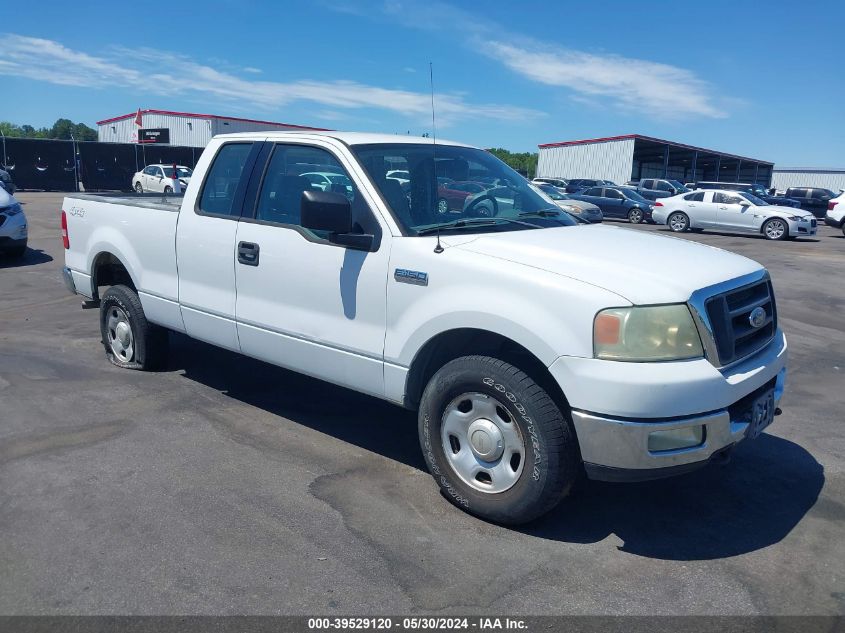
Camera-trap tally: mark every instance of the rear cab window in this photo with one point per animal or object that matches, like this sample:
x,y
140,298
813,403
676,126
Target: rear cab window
x,y
223,183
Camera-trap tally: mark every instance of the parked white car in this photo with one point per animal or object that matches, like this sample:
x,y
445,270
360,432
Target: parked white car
x,y
532,349
836,212
328,181
159,178
725,210
13,226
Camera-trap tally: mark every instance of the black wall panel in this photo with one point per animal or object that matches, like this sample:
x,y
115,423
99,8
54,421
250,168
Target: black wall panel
x,y
49,164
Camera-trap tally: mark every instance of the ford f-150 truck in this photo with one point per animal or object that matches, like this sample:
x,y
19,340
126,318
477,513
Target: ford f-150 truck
x,y
532,348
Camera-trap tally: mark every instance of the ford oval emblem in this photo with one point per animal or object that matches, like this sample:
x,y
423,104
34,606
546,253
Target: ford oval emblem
x,y
757,317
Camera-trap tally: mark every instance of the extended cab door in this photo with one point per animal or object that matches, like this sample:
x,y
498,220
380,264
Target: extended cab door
x,y
205,242
303,302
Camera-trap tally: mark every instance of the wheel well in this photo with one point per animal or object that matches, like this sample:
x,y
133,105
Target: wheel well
x,y
108,270
453,344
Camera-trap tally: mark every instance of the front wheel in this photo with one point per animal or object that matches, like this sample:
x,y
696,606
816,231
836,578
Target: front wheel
x,y
678,222
168,189
139,188
495,442
775,229
130,340
635,215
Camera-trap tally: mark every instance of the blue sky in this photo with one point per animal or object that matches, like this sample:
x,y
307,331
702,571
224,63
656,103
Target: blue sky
x,y
763,80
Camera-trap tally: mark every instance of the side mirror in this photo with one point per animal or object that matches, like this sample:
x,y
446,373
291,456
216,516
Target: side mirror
x,y
332,212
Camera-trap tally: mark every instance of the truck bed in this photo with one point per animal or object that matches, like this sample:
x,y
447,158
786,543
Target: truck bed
x,y
143,200
139,230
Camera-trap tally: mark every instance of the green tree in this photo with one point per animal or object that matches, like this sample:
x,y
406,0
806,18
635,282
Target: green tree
x,y
61,129
523,162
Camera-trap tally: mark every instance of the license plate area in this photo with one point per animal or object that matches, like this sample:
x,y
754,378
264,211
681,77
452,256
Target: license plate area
x,y
762,413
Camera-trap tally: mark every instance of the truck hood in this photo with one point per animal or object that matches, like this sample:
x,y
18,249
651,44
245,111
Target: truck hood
x,y
641,267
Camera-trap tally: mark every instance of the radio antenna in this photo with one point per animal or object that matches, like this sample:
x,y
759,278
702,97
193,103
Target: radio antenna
x,y
431,84
438,248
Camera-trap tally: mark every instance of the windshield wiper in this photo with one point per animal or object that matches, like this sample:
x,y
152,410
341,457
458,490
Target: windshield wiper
x,y
471,223
542,213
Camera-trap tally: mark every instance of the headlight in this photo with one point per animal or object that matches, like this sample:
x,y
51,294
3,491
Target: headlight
x,y
646,333
796,218
12,209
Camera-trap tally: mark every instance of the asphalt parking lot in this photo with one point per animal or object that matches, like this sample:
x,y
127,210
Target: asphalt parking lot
x,y
225,485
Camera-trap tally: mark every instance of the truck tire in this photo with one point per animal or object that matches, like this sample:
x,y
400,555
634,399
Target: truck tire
x,y
130,340
495,442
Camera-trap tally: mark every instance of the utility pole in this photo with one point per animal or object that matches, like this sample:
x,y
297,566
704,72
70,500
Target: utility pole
x,y
75,163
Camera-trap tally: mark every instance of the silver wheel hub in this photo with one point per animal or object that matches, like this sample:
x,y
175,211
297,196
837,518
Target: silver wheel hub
x,y
775,229
482,442
485,440
119,333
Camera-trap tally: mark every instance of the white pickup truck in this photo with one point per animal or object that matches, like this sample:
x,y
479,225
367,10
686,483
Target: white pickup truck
x,y
535,348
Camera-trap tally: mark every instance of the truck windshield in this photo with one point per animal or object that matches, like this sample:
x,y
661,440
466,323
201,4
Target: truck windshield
x,y
679,186
450,186
754,200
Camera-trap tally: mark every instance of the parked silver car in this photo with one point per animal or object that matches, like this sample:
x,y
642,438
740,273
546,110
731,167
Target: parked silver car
x,y
726,210
13,226
579,208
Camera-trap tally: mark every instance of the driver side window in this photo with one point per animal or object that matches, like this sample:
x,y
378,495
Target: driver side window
x,y
294,169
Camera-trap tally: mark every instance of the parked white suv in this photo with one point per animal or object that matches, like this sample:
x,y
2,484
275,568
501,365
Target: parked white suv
x,y
726,210
159,178
836,212
530,346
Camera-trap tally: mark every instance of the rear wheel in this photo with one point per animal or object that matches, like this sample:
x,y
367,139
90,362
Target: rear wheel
x,y
129,339
678,222
635,215
775,229
495,442
139,188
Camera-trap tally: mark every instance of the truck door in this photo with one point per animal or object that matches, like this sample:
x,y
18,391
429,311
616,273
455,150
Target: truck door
x,y
205,244
303,302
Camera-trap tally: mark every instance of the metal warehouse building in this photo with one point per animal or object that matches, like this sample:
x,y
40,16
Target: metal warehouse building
x,y
633,157
785,177
179,128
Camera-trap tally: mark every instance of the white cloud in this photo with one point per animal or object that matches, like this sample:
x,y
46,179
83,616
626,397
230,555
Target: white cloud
x,y
635,84
157,72
253,70
652,88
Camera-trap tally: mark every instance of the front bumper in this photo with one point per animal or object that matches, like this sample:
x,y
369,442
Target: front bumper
x,y
837,224
616,405
806,228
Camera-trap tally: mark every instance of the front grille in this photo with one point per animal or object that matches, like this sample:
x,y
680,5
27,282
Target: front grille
x,y
729,314
2,219
813,223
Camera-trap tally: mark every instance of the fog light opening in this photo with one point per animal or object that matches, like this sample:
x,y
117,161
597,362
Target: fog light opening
x,y
675,439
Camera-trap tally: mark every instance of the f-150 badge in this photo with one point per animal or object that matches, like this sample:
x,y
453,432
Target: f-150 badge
x,y
414,277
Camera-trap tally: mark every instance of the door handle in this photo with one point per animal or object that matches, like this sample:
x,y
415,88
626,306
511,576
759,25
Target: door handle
x,y
248,253
723,207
